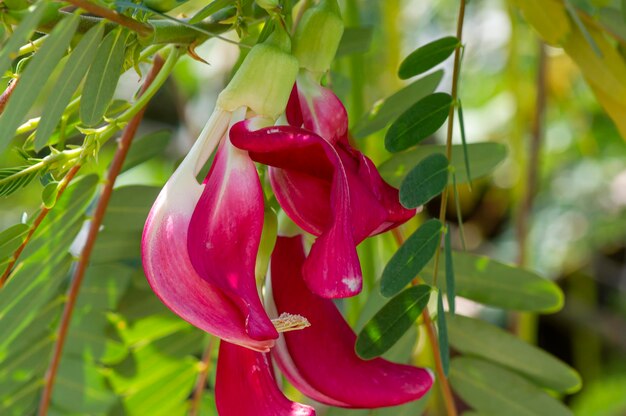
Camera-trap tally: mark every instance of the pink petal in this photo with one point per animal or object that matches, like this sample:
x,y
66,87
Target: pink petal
x,y
225,232
245,385
332,268
320,360
390,212
166,260
320,111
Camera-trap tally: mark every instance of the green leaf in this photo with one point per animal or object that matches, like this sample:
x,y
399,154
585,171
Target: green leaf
x,y
427,57
12,180
602,397
129,207
11,239
68,214
474,337
484,157
442,335
464,142
450,286
208,10
81,389
549,18
355,40
425,181
418,122
20,35
117,245
45,262
102,78
391,322
410,258
49,194
487,281
146,148
139,381
571,10
37,71
493,390
73,72
384,111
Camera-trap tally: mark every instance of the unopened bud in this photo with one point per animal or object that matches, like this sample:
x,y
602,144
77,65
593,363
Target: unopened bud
x,y
318,35
264,79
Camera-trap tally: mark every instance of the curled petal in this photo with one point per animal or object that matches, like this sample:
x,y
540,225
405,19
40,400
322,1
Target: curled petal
x,y
318,109
320,360
225,232
387,201
245,385
166,261
332,269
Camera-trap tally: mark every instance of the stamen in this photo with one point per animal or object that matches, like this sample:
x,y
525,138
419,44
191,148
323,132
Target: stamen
x,y
289,322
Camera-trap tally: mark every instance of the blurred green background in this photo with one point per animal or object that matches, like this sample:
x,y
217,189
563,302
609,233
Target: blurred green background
x,y
576,225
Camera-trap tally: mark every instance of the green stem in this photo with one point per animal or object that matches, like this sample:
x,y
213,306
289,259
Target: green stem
x,y
163,31
454,93
33,123
65,156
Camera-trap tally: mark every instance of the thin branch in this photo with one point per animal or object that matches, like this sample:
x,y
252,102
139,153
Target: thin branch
x,y
448,397
42,214
141,28
202,377
445,387
454,93
79,274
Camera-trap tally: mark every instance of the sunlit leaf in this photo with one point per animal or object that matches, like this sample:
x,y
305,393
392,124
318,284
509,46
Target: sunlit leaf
x,y
102,78
49,194
73,72
384,111
493,283
548,17
410,258
493,390
425,181
418,122
11,239
427,57
474,337
392,321
210,9
484,158
38,70
13,179
20,35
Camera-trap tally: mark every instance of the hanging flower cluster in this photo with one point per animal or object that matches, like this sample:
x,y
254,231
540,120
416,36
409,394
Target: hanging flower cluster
x,y
201,241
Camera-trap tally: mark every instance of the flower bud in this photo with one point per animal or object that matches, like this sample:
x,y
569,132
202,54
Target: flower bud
x,y
264,79
318,35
